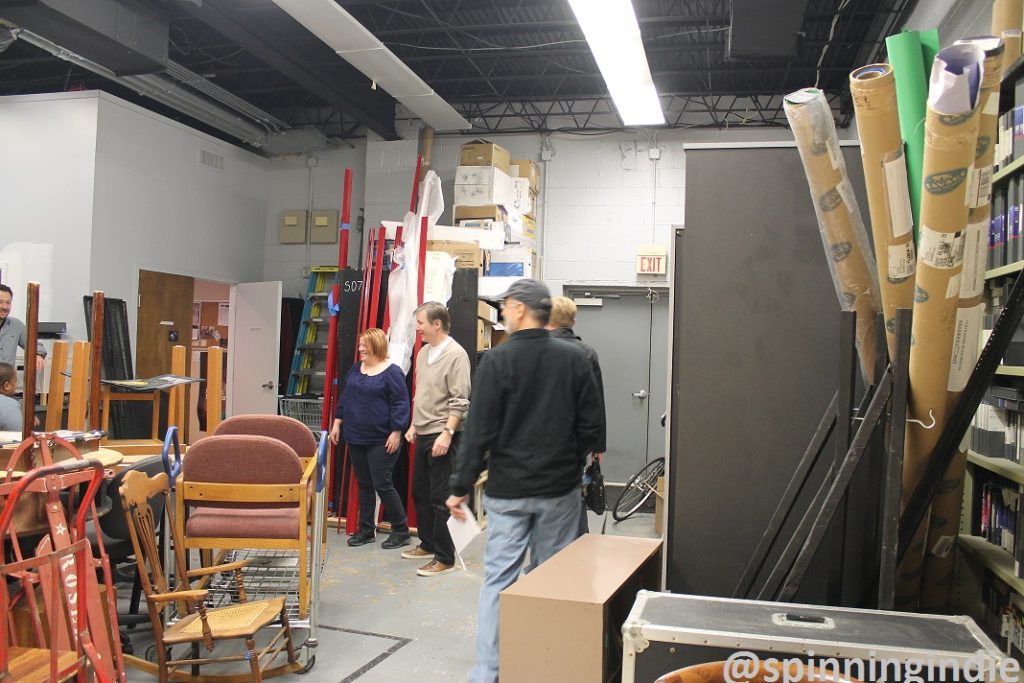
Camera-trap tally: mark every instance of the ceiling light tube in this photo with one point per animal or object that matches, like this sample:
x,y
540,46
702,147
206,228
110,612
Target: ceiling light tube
x,y
329,22
613,33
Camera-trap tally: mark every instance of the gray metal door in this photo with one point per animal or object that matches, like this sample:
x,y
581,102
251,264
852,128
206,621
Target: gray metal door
x,y
629,330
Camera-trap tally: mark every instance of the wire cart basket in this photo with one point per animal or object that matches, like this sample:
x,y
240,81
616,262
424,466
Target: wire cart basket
x,y
308,411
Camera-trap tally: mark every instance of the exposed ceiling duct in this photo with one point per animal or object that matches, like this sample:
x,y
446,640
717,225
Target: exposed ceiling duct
x,y
354,43
162,89
125,38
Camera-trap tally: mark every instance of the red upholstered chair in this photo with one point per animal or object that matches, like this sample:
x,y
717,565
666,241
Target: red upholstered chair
x,y
287,429
246,492
293,432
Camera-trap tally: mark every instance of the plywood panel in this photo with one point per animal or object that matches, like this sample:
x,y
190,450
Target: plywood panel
x,y
163,298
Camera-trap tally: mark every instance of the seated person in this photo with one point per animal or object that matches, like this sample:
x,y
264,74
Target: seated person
x,y
10,409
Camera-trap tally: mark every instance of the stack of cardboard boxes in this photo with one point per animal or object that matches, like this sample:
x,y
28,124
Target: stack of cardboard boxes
x,y
497,196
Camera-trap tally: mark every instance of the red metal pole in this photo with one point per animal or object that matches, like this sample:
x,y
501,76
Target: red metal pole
x,y
331,385
378,270
420,278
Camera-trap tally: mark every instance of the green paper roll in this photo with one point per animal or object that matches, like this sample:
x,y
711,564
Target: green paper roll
x,y
929,48
906,55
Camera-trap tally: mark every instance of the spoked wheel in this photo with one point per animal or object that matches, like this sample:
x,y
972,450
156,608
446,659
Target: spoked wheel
x,y
638,490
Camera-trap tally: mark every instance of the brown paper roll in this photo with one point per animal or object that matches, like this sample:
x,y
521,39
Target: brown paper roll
x,y
839,220
950,146
1007,15
1012,42
938,577
892,225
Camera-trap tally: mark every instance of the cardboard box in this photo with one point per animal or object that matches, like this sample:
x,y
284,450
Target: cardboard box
x,y
484,153
521,199
560,621
481,175
522,229
487,211
467,254
659,505
484,335
487,312
525,168
496,188
512,262
485,238
531,214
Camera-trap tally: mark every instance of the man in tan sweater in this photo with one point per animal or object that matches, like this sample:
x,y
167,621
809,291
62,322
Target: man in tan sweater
x,y
441,401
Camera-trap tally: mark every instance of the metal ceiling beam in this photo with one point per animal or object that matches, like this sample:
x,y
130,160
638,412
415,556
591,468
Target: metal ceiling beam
x,y
664,73
568,25
290,65
426,55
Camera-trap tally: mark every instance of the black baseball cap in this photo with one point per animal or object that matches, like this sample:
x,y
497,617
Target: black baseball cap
x,y
533,293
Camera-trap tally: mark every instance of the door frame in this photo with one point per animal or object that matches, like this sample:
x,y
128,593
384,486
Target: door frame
x,y
665,291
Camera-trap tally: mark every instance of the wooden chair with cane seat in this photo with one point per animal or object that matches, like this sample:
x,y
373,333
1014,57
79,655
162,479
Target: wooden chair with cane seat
x,y
198,625
246,492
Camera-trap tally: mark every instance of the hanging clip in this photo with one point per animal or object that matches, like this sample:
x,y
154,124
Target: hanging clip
x,y
931,416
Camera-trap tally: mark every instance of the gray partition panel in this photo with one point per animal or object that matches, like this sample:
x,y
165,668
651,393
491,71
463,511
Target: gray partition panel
x,y
754,357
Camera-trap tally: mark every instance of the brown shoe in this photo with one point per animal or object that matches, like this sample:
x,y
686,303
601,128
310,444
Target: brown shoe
x,y
417,553
435,568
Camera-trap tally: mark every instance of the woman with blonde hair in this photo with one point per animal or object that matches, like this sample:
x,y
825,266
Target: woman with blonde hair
x,y
372,413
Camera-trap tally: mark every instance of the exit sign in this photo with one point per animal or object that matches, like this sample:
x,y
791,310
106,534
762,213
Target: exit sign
x,y
651,259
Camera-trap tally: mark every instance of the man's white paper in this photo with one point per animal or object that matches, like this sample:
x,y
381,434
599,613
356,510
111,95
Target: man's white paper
x,y
463,531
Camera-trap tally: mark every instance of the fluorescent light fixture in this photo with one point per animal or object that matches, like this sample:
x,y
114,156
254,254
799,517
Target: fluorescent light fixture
x,y
613,33
329,22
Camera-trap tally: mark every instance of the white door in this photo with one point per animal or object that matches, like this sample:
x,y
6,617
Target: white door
x,y
254,337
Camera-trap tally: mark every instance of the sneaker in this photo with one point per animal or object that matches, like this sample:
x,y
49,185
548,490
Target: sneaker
x,y
361,538
435,568
417,553
396,540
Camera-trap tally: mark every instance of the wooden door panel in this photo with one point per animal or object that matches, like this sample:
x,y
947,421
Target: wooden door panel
x,y
163,297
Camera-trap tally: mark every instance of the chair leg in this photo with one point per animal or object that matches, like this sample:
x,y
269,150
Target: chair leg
x,y
195,655
254,661
287,635
133,605
304,583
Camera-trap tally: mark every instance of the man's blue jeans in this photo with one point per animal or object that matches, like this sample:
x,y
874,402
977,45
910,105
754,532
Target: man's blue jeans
x,y
513,525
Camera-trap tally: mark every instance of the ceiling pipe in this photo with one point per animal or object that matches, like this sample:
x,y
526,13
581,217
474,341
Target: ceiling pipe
x,y
162,89
214,91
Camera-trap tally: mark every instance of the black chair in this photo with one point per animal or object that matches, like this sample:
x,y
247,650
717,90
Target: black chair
x,y
113,525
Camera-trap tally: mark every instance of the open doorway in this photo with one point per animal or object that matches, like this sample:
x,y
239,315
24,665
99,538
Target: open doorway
x,y
179,309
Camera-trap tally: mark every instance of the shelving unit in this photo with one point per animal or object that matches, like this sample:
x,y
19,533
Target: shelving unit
x,y
997,560
1004,468
1008,269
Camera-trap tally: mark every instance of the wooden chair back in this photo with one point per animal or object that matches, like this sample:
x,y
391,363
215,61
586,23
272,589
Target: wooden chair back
x,y
137,495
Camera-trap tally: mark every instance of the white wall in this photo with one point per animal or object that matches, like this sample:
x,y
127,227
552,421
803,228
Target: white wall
x,y
47,159
156,208
288,187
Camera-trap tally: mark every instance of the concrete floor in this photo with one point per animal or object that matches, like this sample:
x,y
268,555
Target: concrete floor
x,y
381,623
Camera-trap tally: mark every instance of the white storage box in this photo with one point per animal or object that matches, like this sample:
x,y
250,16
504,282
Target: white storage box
x,y
666,632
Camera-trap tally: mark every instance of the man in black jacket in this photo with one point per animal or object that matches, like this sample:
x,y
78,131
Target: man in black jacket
x,y
536,413
563,318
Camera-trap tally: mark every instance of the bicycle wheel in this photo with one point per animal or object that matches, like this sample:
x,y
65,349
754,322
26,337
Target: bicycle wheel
x,y
639,489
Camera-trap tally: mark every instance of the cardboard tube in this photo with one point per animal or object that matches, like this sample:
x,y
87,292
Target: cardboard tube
x,y
1012,42
1007,22
839,220
951,134
938,575
885,174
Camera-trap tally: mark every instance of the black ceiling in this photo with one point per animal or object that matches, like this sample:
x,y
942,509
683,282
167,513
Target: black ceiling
x,y
512,65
